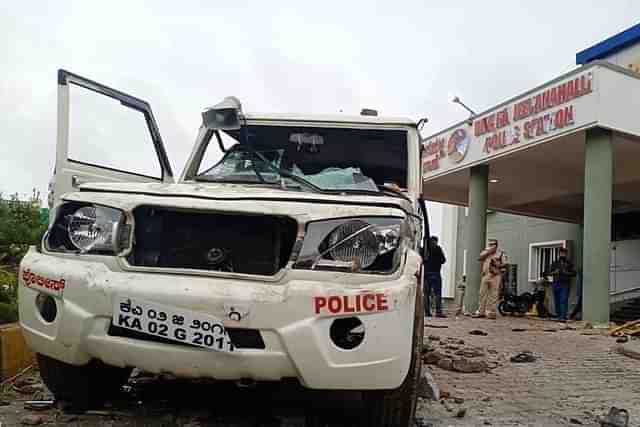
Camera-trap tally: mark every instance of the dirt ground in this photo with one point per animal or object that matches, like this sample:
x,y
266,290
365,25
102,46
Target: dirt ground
x,y
576,378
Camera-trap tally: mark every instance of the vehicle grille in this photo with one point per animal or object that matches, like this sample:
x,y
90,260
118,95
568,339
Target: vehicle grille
x,y
249,244
241,338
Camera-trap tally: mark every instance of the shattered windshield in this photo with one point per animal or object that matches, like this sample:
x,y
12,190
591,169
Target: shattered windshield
x,y
313,157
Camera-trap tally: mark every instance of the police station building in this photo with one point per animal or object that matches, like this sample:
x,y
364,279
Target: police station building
x,y
557,166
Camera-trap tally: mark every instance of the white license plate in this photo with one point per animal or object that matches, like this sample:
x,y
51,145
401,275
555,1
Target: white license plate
x,y
171,323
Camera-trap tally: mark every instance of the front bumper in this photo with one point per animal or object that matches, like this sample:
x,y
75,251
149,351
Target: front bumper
x,y
297,342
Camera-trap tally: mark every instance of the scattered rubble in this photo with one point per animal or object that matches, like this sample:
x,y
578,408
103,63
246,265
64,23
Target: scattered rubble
x,y
435,325
446,405
461,413
615,418
32,420
452,356
630,349
523,357
628,329
38,405
470,365
427,388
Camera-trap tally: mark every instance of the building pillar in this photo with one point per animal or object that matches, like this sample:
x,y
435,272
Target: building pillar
x,y
476,232
598,185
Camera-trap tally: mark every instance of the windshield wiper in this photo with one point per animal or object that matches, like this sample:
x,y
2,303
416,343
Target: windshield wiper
x,y
288,174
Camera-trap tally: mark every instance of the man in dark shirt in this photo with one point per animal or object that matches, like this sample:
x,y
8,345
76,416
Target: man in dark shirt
x,y
562,271
433,278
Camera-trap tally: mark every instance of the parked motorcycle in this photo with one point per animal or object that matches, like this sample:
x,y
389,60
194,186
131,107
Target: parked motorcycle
x,y
515,304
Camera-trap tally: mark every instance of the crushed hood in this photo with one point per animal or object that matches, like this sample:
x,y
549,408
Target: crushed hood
x,y
240,198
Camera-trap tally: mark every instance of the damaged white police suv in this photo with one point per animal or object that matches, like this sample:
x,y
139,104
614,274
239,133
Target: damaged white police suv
x,y
289,248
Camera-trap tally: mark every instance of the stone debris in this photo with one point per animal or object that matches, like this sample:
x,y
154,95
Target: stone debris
x,y
427,387
459,358
38,405
470,352
630,349
615,418
32,420
445,363
470,365
435,325
523,357
446,405
461,413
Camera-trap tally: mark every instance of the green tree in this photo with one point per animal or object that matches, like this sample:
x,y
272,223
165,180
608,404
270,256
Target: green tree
x,y
20,227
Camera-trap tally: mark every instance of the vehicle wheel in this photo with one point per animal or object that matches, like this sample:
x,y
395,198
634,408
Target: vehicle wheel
x,y
397,408
523,307
83,386
502,308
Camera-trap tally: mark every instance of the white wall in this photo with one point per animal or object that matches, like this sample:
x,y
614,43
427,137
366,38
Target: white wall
x,y
443,220
625,265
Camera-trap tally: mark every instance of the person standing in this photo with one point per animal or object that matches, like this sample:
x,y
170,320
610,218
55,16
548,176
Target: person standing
x,y
562,271
433,277
492,267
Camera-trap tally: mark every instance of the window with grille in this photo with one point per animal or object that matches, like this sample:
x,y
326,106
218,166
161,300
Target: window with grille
x,y
541,255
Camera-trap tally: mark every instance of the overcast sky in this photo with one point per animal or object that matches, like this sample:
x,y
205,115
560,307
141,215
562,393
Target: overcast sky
x,y
403,58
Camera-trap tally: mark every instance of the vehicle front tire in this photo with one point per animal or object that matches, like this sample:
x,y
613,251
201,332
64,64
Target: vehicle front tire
x,y
397,408
82,386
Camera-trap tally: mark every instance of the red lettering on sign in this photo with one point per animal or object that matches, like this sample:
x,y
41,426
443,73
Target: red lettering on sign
x,y
431,165
31,279
367,304
347,308
319,302
562,94
358,303
381,302
335,304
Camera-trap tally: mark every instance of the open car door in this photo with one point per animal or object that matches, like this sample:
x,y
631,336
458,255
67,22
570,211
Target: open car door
x,y
104,135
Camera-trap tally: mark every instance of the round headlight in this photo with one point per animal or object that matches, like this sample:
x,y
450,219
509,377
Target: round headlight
x,y
90,229
354,241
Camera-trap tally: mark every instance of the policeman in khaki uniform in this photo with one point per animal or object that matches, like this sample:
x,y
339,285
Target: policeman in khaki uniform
x,y
492,267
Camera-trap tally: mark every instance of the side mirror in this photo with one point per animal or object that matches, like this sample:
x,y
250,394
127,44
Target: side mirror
x,y
224,115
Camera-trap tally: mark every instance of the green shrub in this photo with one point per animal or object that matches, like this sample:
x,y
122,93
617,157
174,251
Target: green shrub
x,y
8,296
21,225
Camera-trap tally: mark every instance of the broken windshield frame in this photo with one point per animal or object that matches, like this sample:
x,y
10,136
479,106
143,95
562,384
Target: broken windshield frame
x,y
327,160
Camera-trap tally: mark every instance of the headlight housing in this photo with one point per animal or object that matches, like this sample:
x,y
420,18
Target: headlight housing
x,y
359,245
86,228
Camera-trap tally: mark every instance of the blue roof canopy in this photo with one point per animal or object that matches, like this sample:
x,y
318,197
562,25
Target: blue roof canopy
x,y
609,46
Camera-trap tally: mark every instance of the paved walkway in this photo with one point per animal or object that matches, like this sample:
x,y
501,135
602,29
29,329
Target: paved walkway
x,y
577,376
